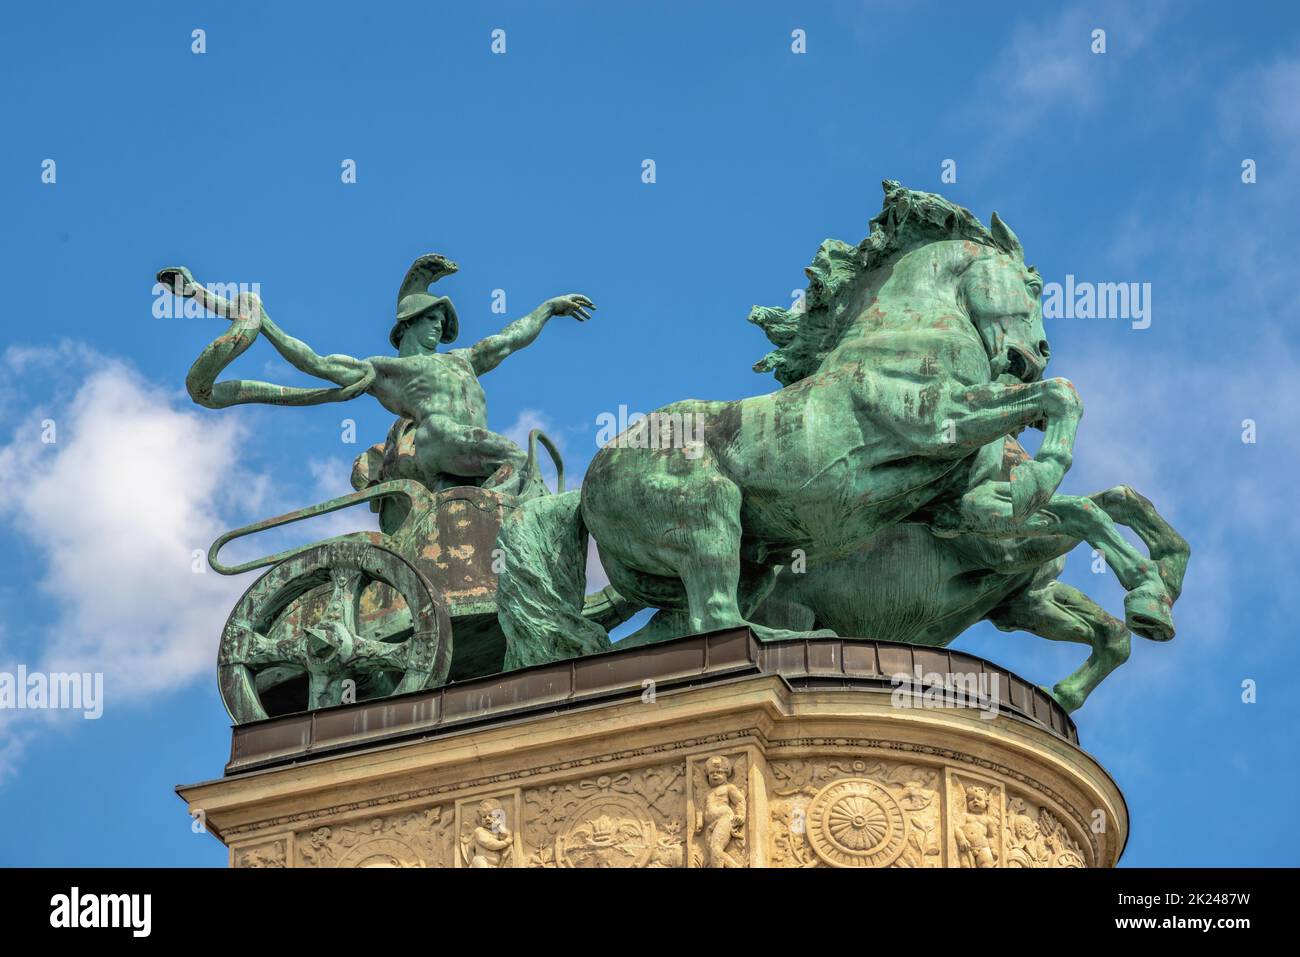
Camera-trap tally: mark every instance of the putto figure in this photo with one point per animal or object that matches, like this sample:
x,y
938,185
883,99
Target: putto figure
x,y
973,835
490,843
723,820
441,438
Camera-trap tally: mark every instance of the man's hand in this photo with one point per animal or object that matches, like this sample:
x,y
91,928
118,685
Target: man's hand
x,y
571,305
486,354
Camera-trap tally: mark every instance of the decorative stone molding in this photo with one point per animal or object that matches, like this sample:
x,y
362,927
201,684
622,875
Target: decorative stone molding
x,y
859,783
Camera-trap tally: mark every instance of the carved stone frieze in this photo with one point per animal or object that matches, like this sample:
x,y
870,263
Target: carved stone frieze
x,y
723,788
411,839
1035,837
633,819
272,854
845,812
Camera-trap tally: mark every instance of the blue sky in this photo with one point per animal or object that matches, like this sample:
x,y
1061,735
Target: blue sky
x,y
525,168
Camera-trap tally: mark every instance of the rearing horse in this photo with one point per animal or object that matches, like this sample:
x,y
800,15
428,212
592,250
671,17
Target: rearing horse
x,y
908,584
914,350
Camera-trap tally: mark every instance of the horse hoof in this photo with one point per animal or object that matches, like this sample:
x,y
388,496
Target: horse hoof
x,y
1146,613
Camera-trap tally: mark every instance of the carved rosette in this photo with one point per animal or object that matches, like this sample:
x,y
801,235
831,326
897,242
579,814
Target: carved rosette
x,y
842,812
856,823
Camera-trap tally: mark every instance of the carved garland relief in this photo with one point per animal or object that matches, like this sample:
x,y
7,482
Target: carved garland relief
x,y
632,819
819,811
413,839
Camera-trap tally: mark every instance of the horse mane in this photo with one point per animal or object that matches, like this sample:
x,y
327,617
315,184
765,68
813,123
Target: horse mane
x,y
908,219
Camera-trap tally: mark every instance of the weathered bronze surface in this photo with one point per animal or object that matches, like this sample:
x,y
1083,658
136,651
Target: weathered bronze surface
x,y
914,360
880,493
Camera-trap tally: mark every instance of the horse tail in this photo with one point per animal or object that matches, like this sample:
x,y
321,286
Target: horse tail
x,y
542,583
535,436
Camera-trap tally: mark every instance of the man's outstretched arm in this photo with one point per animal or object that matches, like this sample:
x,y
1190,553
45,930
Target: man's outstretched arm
x,y
341,369
488,353
248,318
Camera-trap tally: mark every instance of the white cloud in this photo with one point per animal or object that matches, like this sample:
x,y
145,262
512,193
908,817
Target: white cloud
x,y
114,511
1047,65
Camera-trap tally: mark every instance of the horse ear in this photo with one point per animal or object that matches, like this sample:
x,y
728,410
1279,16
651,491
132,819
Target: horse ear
x,y
1005,239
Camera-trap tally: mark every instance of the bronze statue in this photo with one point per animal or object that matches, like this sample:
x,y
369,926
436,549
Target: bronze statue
x,y
436,395
886,467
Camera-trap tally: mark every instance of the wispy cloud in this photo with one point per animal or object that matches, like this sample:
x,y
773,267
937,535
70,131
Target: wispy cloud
x,y
1166,415
116,511
1048,66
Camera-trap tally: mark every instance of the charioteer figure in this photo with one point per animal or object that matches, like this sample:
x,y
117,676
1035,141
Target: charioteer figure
x,y
440,438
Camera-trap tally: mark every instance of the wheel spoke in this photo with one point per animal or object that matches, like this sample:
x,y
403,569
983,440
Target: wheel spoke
x,y
369,655
323,691
345,596
256,650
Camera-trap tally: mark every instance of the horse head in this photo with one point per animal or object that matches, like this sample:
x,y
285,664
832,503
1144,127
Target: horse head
x,y
1002,297
922,248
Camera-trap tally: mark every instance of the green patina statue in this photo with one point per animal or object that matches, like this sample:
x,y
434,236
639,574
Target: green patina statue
x,y
880,493
914,357
909,584
441,438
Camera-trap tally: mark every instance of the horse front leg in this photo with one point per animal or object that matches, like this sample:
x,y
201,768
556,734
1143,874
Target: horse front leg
x,y
975,416
1148,602
1060,612
986,510
1168,549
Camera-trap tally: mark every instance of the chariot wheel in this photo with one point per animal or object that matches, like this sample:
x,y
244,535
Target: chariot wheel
x,y
332,660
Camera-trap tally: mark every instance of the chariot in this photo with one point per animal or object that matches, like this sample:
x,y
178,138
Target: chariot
x,y
370,614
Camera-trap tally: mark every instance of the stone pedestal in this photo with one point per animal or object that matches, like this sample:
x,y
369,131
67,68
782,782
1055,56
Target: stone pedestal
x,y
712,751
